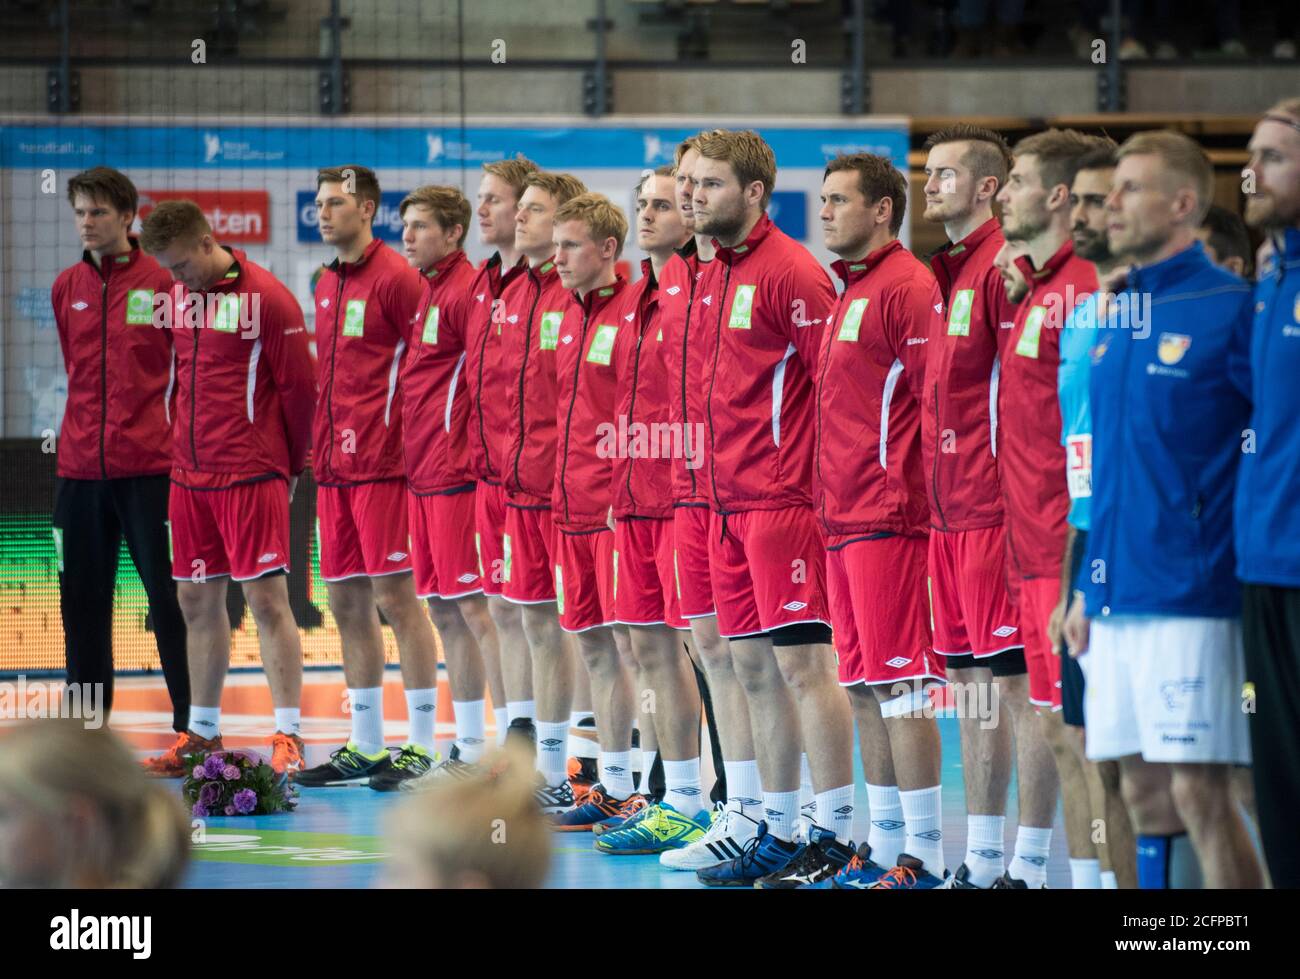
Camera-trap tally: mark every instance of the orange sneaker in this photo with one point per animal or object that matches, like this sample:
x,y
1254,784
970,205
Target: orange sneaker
x,y
171,763
287,753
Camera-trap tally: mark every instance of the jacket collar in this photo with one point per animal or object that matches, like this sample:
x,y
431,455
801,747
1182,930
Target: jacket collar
x,y
1174,269
648,271
598,299
688,250
1053,265
959,251
447,263
115,263
544,273
851,272
374,246
233,274
730,256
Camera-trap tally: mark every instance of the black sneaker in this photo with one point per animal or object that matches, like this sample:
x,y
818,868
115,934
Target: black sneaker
x,y
347,766
960,881
820,860
522,731
554,798
453,768
1008,883
411,763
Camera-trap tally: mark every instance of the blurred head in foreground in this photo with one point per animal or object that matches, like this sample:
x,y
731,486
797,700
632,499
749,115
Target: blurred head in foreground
x,y
77,811
481,832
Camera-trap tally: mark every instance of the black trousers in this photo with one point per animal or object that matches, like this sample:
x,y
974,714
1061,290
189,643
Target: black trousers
x,y
1271,633
91,516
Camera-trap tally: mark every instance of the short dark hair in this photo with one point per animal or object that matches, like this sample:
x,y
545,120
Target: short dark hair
x,y
365,185
1228,235
448,206
172,221
105,185
1102,155
1058,152
988,154
878,178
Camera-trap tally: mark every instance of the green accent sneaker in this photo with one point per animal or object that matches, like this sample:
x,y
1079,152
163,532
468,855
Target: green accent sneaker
x,y
347,766
661,828
411,762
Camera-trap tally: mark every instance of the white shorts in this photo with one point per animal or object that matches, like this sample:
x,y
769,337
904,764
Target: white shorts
x,y
1166,687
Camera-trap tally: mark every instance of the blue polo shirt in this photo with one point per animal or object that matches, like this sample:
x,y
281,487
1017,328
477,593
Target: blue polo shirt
x,y
1077,340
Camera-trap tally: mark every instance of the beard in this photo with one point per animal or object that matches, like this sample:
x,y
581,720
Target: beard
x,y
1264,212
1025,230
723,224
1094,247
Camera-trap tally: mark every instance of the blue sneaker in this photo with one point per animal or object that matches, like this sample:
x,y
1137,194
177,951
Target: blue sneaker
x,y
817,862
858,874
764,854
625,818
599,806
909,875
660,828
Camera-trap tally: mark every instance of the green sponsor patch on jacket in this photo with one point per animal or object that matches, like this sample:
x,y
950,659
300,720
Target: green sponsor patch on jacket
x,y
354,318
1027,345
550,330
959,313
742,308
430,334
602,344
139,307
227,316
852,322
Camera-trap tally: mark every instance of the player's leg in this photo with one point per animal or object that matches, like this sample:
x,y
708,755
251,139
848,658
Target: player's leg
x,y
1085,866
516,699
1037,782
281,648
1202,794
1163,852
885,830
142,513
405,614
1119,848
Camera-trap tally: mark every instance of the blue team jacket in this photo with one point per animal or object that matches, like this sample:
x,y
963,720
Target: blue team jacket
x,y
1168,412
1268,486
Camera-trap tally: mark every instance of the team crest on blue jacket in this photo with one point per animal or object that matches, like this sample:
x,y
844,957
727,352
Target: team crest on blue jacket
x,y
1172,347
1295,313
1099,351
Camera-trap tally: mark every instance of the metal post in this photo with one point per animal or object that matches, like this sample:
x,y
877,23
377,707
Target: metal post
x,y
854,101
334,99
62,83
600,71
1113,92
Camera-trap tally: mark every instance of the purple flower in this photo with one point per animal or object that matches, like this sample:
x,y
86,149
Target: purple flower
x,y
199,773
245,801
213,765
231,811
210,794
199,810
230,773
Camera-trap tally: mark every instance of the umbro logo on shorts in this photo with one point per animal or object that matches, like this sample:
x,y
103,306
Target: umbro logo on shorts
x,y
1005,631
268,557
466,578
79,306
397,556
795,606
898,661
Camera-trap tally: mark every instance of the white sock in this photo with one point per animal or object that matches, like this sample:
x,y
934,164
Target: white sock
x,y
1109,882
923,814
647,763
780,810
422,717
616,773
985,849
743,784
502,716
205,721
470,721
367,719
1085,875
1030,861
551,759
288,720
682,779
520,708
807,798
886,835
835,812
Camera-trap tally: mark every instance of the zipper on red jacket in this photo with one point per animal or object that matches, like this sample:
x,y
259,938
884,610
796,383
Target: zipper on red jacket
x,y
482,352
713,376
934,470
686,332
631,412
817,393
523,371
103,369
568,421
194,392
334,346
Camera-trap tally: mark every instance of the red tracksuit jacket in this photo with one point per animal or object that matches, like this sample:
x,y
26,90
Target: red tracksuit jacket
x,y
681,315
117,422
871,371
767,301
246,384
643,469
435,405
534,305
487,372
959,405
1031,459
587,383
364,316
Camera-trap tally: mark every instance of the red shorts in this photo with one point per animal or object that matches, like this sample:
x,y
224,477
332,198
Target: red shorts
x,y
1038,597
363,530
528,556
489,534
241,531
442,544
973,613
768,569
691,561
584,579
879,610
645,592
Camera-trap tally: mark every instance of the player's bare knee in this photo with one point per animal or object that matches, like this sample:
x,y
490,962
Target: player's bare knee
x,y
1200,792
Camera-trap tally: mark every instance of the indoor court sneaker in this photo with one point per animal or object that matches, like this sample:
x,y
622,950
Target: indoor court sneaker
x,y
411,763
347,766
171,763
858,874
725,840
1008,883
633,813
909,875
597,807
656,829
819,861
960,881
763,855
287,753
452,768
523,731
554,799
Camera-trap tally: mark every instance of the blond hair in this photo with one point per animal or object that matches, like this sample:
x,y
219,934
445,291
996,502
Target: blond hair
x,y
137,835
562,187
1287,107
170,222
448,206
1181,156
748,154
488,825
603,218
515,172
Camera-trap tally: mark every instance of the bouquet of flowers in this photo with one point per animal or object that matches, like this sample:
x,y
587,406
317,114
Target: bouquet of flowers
x,y
235,783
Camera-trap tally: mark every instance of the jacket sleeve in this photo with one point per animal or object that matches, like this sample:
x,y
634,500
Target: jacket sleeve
x,y
805,300
284,341
908,323
1239,365
402,297
58,299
